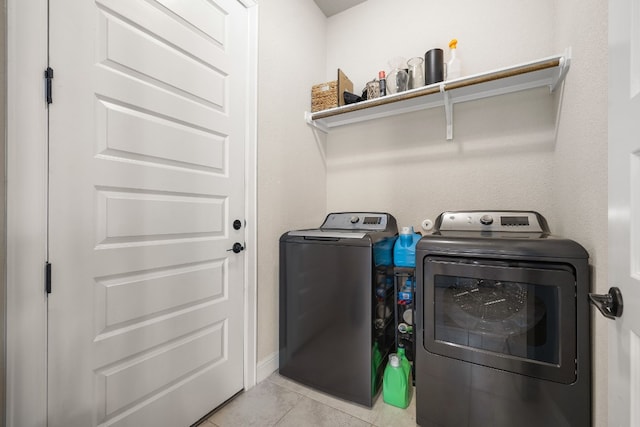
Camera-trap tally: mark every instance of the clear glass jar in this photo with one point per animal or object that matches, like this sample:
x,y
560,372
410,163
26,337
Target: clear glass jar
x,y
416,72
397,78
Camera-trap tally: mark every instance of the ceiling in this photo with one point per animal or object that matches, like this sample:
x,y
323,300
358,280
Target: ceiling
x,y
331,7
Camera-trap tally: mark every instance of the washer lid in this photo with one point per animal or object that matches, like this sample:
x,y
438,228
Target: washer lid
x,y
327,234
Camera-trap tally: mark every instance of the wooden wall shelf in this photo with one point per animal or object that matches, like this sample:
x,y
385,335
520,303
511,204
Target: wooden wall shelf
x,y
549,72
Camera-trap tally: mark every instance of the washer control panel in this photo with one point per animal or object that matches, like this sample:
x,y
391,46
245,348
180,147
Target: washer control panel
x,y
520,221
356,221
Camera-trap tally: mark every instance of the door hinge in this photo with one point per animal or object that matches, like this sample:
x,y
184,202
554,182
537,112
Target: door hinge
x,y
47,277
48,77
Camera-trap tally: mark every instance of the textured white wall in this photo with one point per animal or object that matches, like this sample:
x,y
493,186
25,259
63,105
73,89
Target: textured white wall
x,y
503,149
491,34
291,170
580,161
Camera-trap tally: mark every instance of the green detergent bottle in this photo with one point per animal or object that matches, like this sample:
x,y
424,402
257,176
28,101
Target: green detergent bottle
x,y
395,389
376,361
406,365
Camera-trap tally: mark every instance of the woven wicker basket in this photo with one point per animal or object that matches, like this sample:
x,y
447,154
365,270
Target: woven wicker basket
x,y
330,94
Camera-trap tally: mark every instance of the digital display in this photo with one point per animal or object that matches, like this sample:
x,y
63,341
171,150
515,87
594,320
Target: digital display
x,y
514,220
369,220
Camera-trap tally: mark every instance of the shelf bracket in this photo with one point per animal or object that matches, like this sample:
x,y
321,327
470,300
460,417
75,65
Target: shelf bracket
x,y
448,112
311,122
565,63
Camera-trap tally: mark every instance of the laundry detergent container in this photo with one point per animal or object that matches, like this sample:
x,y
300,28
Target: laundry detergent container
x,y
383,252
404,250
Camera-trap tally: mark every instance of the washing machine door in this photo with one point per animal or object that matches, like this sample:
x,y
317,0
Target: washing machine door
x,y
515,316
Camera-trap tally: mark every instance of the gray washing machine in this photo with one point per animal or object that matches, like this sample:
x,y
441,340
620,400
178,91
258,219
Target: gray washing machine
x,y
336,296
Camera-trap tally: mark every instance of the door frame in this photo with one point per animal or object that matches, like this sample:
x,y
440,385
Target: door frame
x,y
26,212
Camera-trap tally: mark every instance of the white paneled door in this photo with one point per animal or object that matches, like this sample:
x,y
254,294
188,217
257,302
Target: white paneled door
x,y
146,179
624,209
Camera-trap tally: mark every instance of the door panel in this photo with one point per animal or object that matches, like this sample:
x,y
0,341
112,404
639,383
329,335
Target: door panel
x,y
126,134
146,177
624,209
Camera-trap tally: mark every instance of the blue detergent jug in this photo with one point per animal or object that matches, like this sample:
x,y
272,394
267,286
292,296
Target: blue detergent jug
x,y
404,251
383,251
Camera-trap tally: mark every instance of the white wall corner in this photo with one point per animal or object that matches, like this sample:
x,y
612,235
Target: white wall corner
x,y
251,202
268,366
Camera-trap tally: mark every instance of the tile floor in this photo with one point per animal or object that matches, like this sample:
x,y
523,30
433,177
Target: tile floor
x,y
278,401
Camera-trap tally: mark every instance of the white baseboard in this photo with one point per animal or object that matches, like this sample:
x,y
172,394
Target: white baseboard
x,y
267,366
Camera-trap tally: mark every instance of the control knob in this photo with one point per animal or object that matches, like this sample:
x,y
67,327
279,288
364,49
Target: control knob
x,y
354,219
486,220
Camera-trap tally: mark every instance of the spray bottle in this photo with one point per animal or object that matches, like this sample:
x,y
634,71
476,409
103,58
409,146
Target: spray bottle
x,y
454,66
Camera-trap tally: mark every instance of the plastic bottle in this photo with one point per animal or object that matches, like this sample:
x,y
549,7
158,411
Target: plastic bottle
x,y
406,292
376,361
383,288
383,83
404,251
395,389
406,365
383,252
454,66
